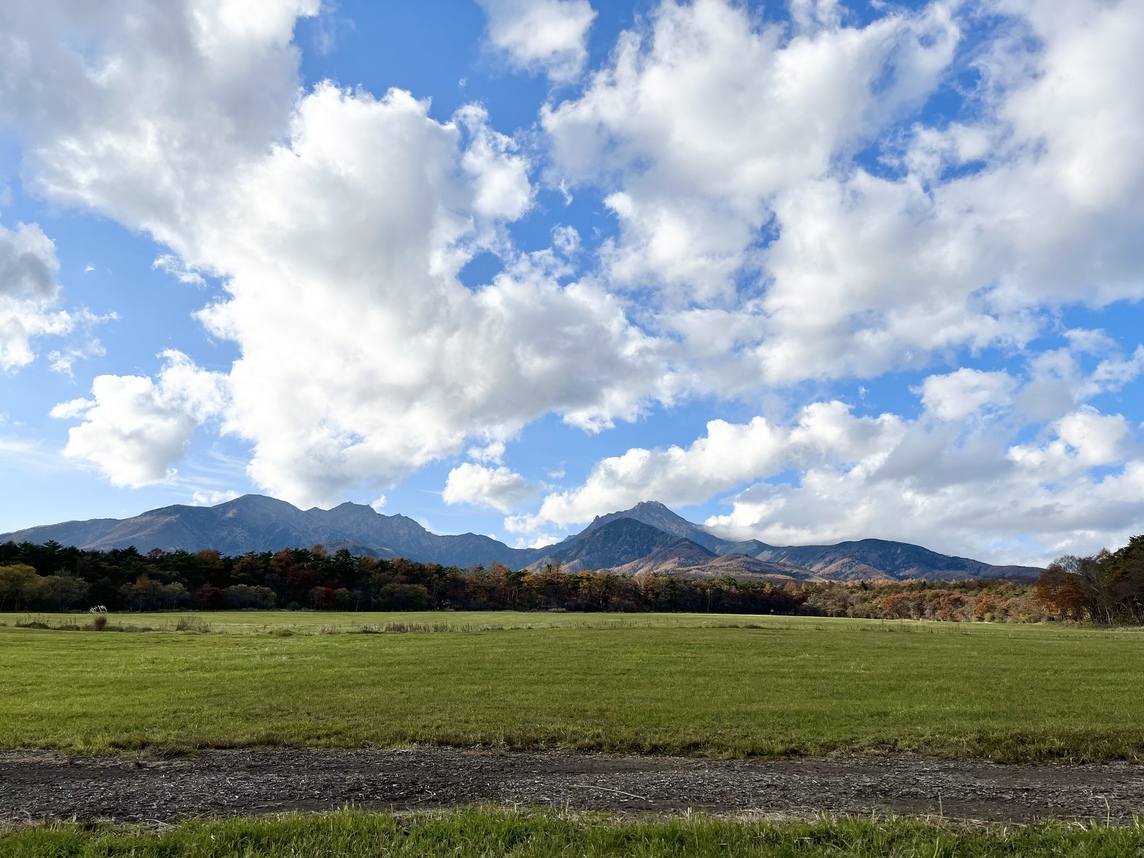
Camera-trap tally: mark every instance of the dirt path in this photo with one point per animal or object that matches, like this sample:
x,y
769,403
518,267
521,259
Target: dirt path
x,y
38,785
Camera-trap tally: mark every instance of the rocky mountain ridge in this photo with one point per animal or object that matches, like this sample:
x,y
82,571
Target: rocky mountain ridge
x,y
649,537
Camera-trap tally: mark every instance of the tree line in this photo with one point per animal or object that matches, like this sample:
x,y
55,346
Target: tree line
x,y
58,578
1107,587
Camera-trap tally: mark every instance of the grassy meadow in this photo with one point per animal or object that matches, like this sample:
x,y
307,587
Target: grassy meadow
x,y
692,684
500,832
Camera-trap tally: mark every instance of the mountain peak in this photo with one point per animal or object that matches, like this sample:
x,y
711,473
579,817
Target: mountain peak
x,y
652,507
260,523
664,518
253,501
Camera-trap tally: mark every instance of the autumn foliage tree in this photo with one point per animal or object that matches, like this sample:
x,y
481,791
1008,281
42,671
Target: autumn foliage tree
x,y
1105,588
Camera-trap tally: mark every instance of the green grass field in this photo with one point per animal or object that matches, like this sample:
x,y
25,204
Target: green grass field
x,y
319,622
667,683
498,832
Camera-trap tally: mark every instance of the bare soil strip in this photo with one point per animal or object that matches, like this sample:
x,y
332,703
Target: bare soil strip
x,y
141,787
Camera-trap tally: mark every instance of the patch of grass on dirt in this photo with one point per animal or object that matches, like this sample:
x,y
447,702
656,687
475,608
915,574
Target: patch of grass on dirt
x,y
494,831
784,687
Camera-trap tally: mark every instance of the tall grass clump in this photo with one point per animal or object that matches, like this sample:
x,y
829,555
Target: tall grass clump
x,y
192,624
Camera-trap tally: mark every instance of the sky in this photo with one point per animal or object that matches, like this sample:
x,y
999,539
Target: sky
x,y
803,271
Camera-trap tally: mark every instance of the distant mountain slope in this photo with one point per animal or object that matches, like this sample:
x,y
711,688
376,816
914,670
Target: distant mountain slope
x,y
249,523
898,560
613,544
403,537
845,561
257,523
680,557
648,537
692,560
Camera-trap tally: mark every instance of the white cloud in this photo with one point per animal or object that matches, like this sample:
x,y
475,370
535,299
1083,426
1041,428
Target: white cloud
x,y
63,360
398,363
960,478
728,456
491,452
172,265
363,356
743,210
1034,204
498,488
1058,384
1081,440
138,109
566,240
501,186
28,294
330,27
1016,515
213,497
754,251
980,495
546,35
809,16
135,429
708,114
967,392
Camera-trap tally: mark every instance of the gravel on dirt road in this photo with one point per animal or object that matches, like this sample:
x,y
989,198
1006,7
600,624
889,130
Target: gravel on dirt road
x,y
145,787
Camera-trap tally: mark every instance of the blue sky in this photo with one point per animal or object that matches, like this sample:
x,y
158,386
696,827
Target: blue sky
x,y
804,271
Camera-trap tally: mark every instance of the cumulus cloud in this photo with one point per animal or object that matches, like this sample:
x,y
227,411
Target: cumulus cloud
x,y
1015,514
967,392
960,478
1074,490
1058,383
1033,203
784,213
491,452
28,294
541,35
134,428
399,363
1080,441
498,488
726,457
501,186
363,356
708,114
731,149
212,497
139,109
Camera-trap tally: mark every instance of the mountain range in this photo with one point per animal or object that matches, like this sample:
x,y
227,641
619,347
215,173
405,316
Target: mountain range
x,y
649,537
